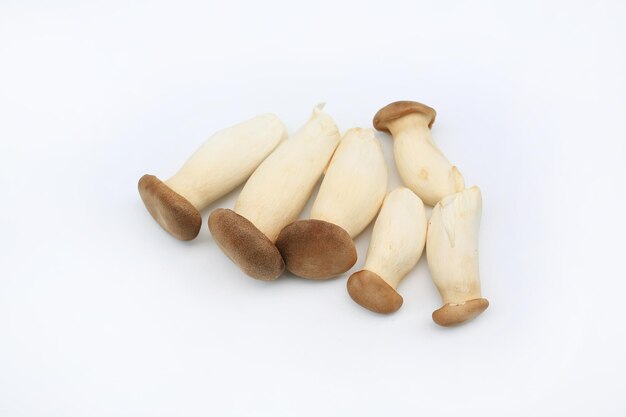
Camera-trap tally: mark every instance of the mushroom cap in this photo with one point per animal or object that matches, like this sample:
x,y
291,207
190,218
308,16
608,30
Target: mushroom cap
x,y
372,292
316,249
399,109
173,212
451,314
246,245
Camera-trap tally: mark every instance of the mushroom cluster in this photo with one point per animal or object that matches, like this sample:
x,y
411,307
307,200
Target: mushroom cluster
x,y
263,236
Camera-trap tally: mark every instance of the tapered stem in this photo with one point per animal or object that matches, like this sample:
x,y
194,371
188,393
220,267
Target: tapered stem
x,y
355,183
227,159
452,246
421,165
276,193
398,236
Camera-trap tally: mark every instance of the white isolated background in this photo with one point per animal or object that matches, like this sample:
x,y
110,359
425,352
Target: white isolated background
x,y
104,314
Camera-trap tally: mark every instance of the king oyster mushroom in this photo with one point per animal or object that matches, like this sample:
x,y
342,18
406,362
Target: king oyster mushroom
x,y
396,246
349,198
273,197
452,253
222,163
421,165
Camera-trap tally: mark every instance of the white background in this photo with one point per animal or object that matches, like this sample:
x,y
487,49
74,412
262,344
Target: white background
x,y
104,314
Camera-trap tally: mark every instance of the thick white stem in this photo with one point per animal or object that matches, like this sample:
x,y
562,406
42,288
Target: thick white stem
x,y
355,183
277,191
227,159
452,246
421,165
398,236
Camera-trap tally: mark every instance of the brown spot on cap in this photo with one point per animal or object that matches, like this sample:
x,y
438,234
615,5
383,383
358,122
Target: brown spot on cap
x,y
399,109
452,314
372,292
171,210
316,249
246,245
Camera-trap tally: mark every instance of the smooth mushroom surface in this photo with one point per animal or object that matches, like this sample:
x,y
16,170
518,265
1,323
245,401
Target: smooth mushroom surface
x,y
221,164
397,244
421,165
351,193
274,196
452,253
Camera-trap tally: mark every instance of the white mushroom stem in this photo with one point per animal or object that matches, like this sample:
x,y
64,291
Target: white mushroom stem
x,y
398,236
227,159
421,165
277,191
355,183
452,246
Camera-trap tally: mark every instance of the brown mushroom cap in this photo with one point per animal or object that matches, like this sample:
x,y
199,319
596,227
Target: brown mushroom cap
x,y
451,314
246,245
372,292
172,211
316,249
399,109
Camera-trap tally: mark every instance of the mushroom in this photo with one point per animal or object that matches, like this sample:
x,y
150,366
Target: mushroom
x,y
452,252
421,165
396,246
273,197
222,163
349,198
